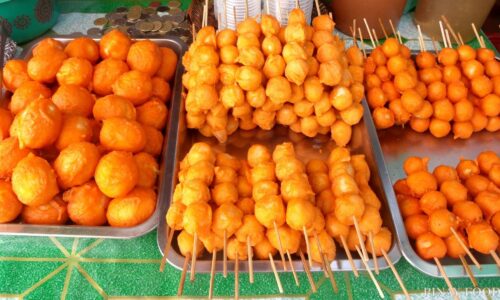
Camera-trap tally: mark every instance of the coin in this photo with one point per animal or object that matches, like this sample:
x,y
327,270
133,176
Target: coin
x,y
149,10
157,25
136,8
100,21
94,31
174,4
144,26
133,15
166,27
154,17
162,8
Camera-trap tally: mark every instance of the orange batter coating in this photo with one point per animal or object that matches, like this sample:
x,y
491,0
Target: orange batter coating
x,y
116,174
198,218
202,170
416,225
122,134
495,222
34,181
77,71
285,168
467,212
185,242
444,173
251,229
441,222
43,68
381,241
466,168
148,169
225,193
27,92
432,201
87,205
296,187
371,221
76,164
105,74
194,190
227,217
113,106
300,214
10,207
15,73
482,237
144,56
10,155
46,45
235,249
453,247
114,44
352,239
430,245
132,209
52,213
327,245
278,89
154,140
335,228
247,205
74,129
83,47
175,215
489,202
134,85
258,154
421,182
290,239
344,184
73,100
212,242
349,206
264,189
264,248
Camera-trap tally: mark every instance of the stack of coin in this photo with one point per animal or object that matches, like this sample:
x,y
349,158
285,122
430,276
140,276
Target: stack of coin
x,y
138,21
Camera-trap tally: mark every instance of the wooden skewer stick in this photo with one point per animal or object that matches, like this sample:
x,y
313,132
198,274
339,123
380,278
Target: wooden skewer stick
x,y
278,7
460,39
349,256
465,248
396,274
330,15
171,232
292,267
421,39
225,13
276,276
393,28
246,9
219,21
481,43
446,279
360,239
193,31
308,246
448,38
250,261
495,257
448,25
362,42
354,31
326,265
237,277
212,275
468,271
206,13
434,45
297,5
267,6
308,272
369,32
224,254
375,282
383,27
183,275
282,254
374,255
234,17
375,37
442,34
193,257
399,38
318,10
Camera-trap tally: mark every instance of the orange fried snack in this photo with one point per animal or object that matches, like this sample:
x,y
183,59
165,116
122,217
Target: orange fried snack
x,y
148,169
73,100
114,44
168,63
134,85
76,164
46,46
77,71
112,106
10,207
27,92
144,56
132,209
154,141
10,155
43,68
83,47
153,113
74,129
87,205
15,73
6,120
53,213
106,73
122,134
116,174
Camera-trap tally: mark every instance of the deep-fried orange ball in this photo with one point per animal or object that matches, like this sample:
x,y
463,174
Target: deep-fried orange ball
x,y
269,25
494,174
76,164
116,174
258,154
467,212
83,47
186,244
206,36
250,231
453,246
416,225
249,78
44,68
122,134
477,184
228,218
153,113
482,237
412,101
15,73
401,187
414,164
134,85
322,241
39,124
73,100
278,89
87,205
290,239
34,181
439,128
488,202
430,245
144,56
466,168
175,214
490,105
10,207
454,191
114,44
348,207
421,182
441,221
154,140
168,64
330,73
264,248
77,71
198,218
52,213
300,214
323,22
382,242
334,227
225,192
10,155
27,92
249,25
408,205
484,55
106,73
352,239
486,160
113,106
47,45
432,201
132,209
74,129
226,37
371,221
383,117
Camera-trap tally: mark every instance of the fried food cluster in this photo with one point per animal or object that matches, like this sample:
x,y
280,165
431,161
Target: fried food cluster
x,y
455,90
272,200
83,131
262,74
465,198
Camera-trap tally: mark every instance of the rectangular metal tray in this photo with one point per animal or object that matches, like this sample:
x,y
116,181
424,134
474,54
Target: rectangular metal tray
x,y
163,181
398,144
364,140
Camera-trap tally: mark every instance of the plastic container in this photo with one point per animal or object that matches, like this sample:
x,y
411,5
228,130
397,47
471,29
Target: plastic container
x,y
460,13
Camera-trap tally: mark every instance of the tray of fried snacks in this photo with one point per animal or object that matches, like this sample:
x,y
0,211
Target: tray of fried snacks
x,y
83,150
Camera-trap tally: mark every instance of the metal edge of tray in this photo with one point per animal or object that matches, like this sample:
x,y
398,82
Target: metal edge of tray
x,y
203,266
19,229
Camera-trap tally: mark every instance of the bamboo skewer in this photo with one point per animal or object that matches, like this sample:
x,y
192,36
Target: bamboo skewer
x,y
234,17
434,46
375,37
318,10
278,7
308,246
183,275
276,276
362,42
237,277
212,275
297,5
369,32
374,255
250,261
396,274
326,265
267,6
372,277
465,248
360,239
282,254
461,40
167,249
224,256
495,257
468,271
393,28
383,27
399,38
354,31
481,42
421,39
293,268
193,31
448,38
446,279
448,25
225,13
349,256
193,257
308,272
442,34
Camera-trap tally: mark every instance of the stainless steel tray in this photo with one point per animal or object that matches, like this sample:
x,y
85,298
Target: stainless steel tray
x,y
163,181
398,144
364,140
